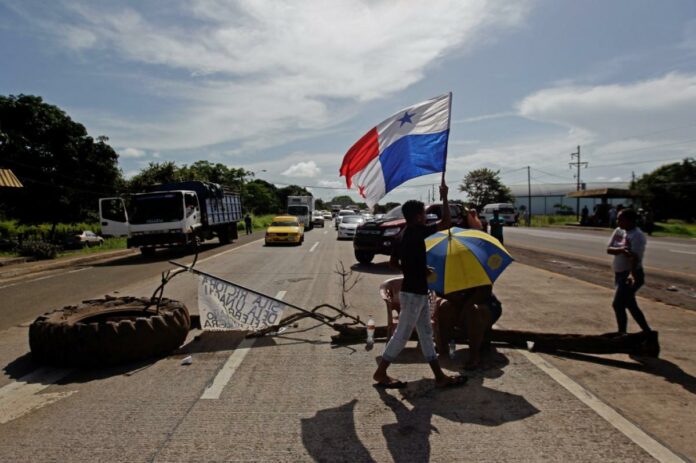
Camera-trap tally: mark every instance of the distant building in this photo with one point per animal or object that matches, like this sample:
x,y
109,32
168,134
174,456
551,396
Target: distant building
x,y
547,195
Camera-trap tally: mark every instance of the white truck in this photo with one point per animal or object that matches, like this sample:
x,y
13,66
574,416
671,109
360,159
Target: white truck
x,y
174,214
302,207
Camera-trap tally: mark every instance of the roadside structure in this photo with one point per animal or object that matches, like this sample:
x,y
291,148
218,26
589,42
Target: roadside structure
x,y
546,196
9,180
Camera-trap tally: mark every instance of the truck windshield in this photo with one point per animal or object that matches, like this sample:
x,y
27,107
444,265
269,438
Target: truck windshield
x,y
298,210
506,210
157,208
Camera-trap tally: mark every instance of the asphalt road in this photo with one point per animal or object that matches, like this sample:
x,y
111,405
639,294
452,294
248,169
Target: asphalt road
x,y
667,254
294,397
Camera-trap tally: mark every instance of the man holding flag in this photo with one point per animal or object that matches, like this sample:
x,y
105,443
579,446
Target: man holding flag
x,y
411,143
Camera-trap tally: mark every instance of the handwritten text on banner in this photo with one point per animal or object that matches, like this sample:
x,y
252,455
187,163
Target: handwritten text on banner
x,y
225,306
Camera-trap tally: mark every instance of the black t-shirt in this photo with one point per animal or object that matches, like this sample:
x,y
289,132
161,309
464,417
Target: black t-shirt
x,y
412,256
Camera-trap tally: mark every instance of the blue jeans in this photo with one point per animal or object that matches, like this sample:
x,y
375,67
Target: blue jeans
x,y
625,298
415,313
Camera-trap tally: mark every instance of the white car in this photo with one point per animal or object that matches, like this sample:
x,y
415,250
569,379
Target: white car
x,y
327,215
348,225
318,219
343,213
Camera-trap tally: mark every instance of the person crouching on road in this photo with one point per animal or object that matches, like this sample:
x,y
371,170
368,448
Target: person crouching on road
x,y
415,306
469,313
627,245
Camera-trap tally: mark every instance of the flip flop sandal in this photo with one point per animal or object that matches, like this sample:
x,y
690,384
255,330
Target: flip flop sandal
x,y
393,385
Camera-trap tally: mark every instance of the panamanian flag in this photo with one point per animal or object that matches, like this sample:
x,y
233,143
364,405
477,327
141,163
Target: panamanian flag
x,y
411,143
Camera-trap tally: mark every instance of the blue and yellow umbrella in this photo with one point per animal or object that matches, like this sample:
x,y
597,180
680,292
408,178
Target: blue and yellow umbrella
x,y
464,259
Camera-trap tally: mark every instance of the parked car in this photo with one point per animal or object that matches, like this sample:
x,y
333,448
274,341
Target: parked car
x,y
342,213
348,225
318,219
285,229
84,239
379,236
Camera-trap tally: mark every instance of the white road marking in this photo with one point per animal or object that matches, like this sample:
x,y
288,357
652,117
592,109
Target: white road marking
x,y
22,396
314,246
79,269
682,252
630,430
228,251
225,374
326,231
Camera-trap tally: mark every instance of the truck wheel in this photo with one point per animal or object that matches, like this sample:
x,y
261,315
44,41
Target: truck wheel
x,y
364,257
224,235
108,331
148,252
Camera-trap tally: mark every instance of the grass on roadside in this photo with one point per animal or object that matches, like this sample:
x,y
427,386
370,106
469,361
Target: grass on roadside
x,y
675,228
548,220
110,244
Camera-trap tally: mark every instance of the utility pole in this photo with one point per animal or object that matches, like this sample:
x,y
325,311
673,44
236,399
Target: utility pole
x,y
529,198
577,164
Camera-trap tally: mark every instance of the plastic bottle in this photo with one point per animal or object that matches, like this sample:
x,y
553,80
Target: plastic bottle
x,y
452,348
370,332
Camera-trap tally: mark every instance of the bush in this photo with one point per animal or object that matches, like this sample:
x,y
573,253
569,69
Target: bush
x,y
39,250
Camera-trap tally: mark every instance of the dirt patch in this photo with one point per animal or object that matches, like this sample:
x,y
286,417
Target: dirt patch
x,y
668,289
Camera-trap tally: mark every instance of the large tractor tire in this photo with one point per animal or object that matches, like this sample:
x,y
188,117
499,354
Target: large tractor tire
x,y
109,331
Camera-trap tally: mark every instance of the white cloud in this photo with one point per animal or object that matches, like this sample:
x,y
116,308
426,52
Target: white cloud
x,y
302,169
131,153
619,110
332,184
268,70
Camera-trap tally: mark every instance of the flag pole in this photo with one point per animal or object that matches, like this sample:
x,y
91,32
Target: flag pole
x,y
449,118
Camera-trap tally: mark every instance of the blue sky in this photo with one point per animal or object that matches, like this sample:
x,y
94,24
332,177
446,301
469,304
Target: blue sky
x,y
285,89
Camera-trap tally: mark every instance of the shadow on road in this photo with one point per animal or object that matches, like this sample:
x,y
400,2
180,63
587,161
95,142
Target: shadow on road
x,y
331,434
22,368
671,372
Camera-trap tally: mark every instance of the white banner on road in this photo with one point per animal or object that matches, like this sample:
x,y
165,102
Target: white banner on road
x,y
225,306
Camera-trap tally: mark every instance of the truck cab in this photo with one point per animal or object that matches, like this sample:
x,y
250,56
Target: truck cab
x,y
183,213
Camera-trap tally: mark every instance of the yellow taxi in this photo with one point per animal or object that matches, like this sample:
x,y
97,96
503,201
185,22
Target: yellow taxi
x,y
285,229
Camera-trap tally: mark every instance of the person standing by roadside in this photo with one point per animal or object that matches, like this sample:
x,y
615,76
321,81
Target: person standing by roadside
x,y
612,217
247,224
627,245
415,304
496,226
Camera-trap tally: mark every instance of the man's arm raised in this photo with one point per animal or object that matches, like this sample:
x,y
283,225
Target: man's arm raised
x,y
446,221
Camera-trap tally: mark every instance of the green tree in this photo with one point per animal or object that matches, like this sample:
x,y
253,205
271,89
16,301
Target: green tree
x,y
156,173
669,190
261,197
343,200
483,186
63,169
